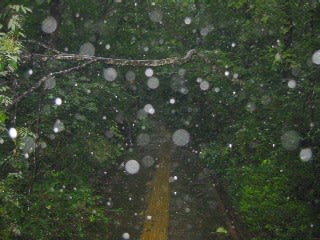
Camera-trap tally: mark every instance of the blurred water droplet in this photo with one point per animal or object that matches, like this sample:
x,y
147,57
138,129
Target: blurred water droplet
x,y
181,137
204,85
182,72
292,83
147,161
29,144
290,140
316,57
153,83
58,126
251,107
187,20
148,72
110,74
87,49
13,133
148,108
132,167
306,154
156,15
142,114
130,76
49,25
143,139
50,83
58,101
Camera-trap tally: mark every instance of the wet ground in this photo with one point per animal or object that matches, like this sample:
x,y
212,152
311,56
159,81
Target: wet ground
x,y
138,202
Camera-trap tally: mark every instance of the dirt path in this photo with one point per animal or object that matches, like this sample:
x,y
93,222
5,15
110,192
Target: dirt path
x,y
157,213
175,199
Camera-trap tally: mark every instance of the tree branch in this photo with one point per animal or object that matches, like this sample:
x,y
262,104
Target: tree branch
x,y
43,79
113,61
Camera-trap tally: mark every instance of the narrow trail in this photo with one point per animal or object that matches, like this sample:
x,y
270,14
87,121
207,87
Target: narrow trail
x,y
175,199
157,213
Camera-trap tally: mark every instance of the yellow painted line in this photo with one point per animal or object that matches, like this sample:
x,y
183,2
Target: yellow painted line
x,y
157,213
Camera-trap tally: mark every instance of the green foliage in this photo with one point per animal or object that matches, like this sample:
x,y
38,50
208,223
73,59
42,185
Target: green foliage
x,y
10,208
58,211
256,47
10,46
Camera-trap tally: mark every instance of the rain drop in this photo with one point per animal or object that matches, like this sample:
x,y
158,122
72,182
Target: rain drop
x,y
290,140
130,76
156,16
148,72
58,101
132,167
147,161
316,57
148,108
58,126
181,137
143,139
110,74
306,154
125,236
277,57
292,83
13,133
204,85
187,20
50,83
29,145
87,49
251,107
153,83
49,25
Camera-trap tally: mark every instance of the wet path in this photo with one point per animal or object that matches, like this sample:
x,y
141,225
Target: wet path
x,y
174,199
157,213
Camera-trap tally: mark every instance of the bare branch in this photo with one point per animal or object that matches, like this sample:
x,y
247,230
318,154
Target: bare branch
x,y
115,61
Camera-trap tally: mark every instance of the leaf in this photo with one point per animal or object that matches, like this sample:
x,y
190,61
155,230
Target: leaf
x,y
221,230
2,117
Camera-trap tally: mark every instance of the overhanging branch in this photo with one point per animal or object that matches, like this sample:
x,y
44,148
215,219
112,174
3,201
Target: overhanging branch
x,y
113,61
